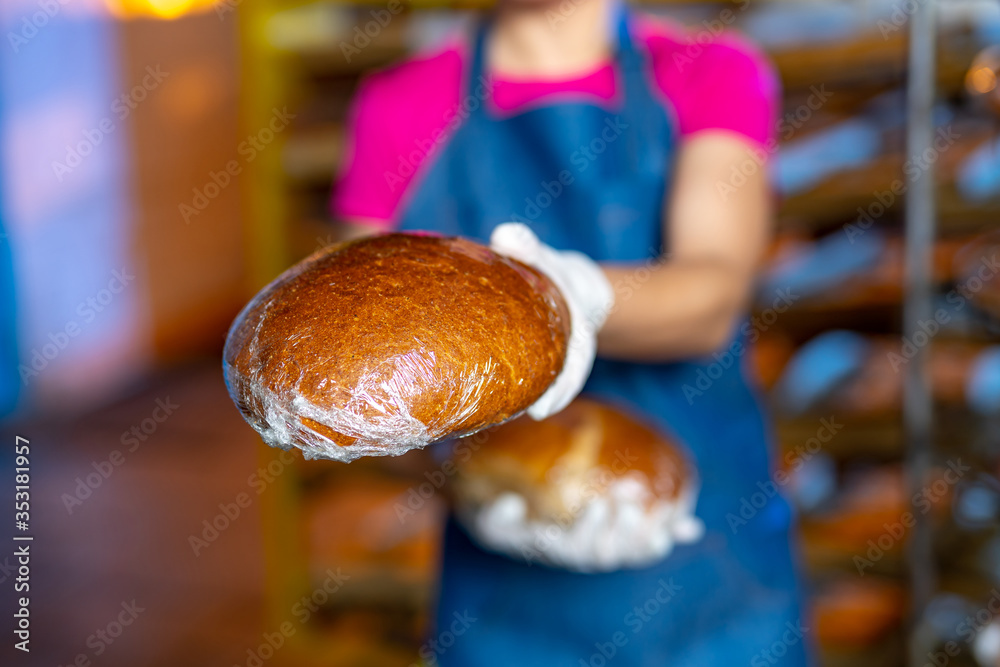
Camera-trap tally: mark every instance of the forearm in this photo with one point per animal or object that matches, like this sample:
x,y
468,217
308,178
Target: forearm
x,y
690,304
669,310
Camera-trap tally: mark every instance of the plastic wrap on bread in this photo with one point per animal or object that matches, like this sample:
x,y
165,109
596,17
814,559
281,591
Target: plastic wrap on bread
x,y
386,344
588,489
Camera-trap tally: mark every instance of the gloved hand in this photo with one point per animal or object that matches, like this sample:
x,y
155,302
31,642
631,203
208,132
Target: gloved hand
x,y
588,295
617,530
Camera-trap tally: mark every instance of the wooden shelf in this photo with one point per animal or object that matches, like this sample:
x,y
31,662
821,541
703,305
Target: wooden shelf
x,y
869,59
836,200
312,155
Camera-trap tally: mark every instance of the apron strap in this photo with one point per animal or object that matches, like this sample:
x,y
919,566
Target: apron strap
x,y
620,22
478,56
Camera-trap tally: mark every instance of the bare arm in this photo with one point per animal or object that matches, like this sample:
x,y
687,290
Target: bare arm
x,y
687,304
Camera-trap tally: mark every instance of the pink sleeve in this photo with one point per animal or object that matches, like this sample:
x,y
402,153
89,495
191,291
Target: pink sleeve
x,y
398,119
722,85
733,88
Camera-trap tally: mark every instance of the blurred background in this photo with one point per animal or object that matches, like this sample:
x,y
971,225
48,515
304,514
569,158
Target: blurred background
x,y
163,159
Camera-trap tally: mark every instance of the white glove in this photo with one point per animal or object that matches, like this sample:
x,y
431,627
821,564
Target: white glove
x,y
588,296
620,529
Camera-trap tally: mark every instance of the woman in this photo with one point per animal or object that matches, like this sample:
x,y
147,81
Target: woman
x,y
617,137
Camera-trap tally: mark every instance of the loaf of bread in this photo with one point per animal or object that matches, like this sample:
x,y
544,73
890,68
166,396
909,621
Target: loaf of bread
x,y
379,346
975,272
590,488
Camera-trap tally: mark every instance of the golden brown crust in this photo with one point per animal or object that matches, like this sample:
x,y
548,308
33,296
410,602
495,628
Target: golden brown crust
x,y
589,443
392,342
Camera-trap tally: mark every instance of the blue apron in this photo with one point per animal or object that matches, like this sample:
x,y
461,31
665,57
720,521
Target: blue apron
x,y
592,179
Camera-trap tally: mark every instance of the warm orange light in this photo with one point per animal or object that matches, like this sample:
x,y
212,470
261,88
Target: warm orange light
x,y
982,80
161,9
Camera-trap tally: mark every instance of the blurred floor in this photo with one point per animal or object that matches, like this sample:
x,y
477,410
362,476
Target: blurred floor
x,y
129,539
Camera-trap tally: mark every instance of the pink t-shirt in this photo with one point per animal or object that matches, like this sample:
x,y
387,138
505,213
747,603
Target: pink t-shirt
x,y
403,115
